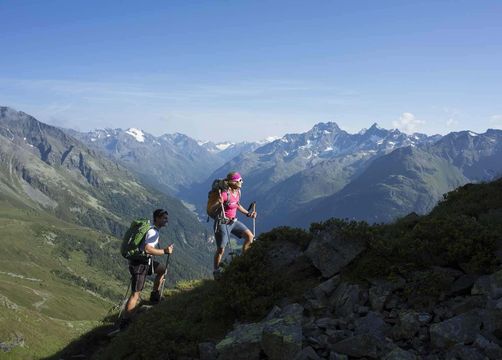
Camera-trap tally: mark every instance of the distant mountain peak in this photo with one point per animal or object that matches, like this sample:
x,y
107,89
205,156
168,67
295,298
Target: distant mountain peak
x,y
224,145
328,127
136,134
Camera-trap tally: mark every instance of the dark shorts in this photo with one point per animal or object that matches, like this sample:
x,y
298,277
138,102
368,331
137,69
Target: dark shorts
x,y
223,232
139,272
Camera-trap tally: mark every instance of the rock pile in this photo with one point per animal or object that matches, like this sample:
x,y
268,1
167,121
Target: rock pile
x,y
379,319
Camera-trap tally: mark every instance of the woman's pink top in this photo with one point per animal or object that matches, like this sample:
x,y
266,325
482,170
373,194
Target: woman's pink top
x,y
231,208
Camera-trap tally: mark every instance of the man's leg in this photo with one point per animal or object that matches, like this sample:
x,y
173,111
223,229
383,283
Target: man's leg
x,y
138,273
159,276
159,279
248,240
131,304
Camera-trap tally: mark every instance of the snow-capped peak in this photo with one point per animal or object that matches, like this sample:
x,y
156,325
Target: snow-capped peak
x,y
137,134
223,146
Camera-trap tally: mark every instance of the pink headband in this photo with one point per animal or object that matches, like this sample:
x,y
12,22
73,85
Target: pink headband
x,y
236,177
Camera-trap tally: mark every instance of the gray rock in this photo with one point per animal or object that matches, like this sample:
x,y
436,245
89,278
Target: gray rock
x,y
335,356
492,323
329,251
292,313
328,286
489,285
463,285
408,325
381,290
243,343
207,351
344,298
359,346
327,323
462,352
491,349
460,305
307,354
373,324
400,354
460,329
274,313
280,340
17,341
338,335
282,334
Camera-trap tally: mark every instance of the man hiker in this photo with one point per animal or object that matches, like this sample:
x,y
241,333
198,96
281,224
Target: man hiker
x,y
231,225
140,268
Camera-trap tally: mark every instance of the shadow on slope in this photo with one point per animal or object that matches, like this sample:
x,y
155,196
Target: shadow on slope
x,y
462,233
204,310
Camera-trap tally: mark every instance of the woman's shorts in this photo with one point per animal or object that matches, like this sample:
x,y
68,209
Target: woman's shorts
x,y
223,232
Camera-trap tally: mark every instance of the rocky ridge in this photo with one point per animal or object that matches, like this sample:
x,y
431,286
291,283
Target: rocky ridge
x,y
343,319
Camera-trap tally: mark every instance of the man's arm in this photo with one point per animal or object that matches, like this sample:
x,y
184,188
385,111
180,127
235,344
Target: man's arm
x,y
149,249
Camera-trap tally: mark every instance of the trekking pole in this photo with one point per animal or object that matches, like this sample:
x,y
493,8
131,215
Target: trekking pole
x,y
252,209
165,274
124,302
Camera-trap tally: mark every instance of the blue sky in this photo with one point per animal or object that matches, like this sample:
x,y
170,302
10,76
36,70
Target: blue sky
x,y
245,70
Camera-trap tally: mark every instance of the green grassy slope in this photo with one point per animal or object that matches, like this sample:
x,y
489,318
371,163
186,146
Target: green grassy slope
x,y
42,307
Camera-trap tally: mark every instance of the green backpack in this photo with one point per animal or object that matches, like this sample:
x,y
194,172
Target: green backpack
x,y
133,237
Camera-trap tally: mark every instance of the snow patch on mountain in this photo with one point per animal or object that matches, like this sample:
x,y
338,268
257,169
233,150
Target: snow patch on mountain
x,y
224,146
137,134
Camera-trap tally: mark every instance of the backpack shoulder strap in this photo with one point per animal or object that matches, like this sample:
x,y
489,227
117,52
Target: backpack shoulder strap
x,y
228,198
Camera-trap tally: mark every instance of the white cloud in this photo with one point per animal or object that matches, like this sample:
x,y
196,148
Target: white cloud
x,y
408,123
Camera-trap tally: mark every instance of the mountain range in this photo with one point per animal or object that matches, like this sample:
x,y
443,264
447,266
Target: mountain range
x,y
311,176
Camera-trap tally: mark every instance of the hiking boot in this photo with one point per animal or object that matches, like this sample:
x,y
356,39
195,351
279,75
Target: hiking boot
x,y
217,273
155,297
124,323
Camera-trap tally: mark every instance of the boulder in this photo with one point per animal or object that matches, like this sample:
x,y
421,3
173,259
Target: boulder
x,y
335,356
460,305
400,354
344,298
330,251
307,354
490,349
359,346
373,324
461,329
463,285
243,343
492,324
462,352
280,340
408,325
489,285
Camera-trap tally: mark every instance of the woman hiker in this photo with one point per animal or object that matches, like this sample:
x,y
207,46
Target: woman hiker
x,y
232,225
